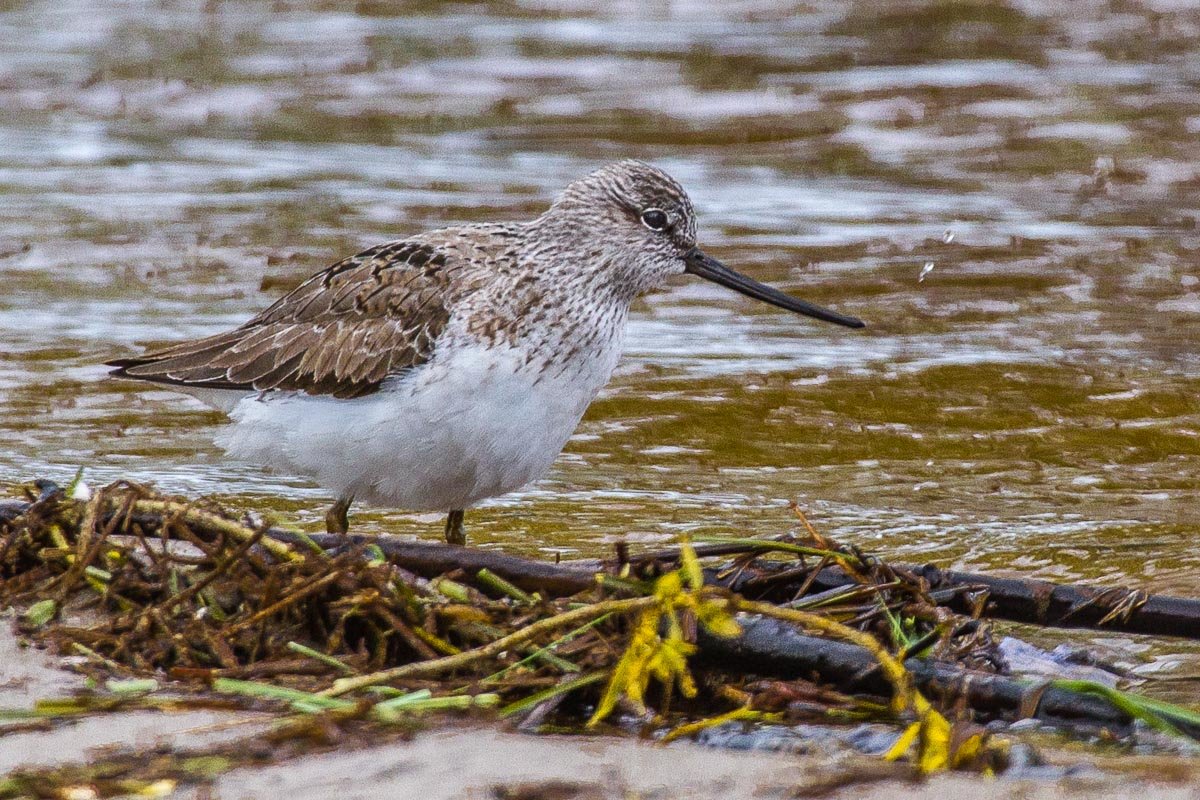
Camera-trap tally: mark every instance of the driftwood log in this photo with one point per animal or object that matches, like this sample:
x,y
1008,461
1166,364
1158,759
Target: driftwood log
x,y
1016,599
771,648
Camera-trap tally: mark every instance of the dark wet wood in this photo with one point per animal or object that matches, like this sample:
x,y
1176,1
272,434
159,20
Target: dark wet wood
x,y
1033,601
772,648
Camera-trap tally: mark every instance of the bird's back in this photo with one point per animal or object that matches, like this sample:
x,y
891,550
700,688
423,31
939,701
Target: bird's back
x,y
345,330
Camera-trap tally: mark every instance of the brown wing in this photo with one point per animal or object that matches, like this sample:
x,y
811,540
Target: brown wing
x,y
340,333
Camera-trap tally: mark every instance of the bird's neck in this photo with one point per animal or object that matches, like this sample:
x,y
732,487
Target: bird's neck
x,y
555,301
565,259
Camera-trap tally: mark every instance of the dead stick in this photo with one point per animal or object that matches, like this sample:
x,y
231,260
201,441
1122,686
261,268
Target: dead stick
x,y
220,569
283,603
205,519
458,660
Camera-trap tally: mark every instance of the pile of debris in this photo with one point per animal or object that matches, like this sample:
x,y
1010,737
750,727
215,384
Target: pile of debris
x,y
168,598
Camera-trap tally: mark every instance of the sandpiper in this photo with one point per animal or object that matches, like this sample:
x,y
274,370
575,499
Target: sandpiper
x,y
436,371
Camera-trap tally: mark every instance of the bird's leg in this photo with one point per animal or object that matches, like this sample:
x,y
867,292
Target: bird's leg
x,y
336,519
455,533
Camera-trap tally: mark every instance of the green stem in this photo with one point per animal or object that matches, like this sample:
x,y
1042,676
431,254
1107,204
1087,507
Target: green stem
x,y
317,655
502,586
542,651
563,688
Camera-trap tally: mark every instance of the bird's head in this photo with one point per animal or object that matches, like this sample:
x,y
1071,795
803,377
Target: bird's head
x,y
636,223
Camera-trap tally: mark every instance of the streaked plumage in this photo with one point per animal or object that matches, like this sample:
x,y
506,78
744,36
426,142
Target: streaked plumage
x,y
436,371
343,331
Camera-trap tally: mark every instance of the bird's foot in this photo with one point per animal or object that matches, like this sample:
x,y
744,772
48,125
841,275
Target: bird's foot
x,y
455,532
337,519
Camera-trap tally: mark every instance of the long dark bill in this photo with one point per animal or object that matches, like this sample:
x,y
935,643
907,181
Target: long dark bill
x,y
710,269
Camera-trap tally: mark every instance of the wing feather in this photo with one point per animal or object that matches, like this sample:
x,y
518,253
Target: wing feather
x,y
342,332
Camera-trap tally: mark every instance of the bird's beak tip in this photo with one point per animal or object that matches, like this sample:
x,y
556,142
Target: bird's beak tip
x,y
704,266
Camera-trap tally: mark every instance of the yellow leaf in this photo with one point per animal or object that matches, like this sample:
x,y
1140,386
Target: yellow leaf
x,y
668,587
969,749
687,684
649,655
631,674
932,734
717,620
670,659
680,650
933,748
628,680
637,679
158,788
903,743
689,565
608,702
661,667
691,728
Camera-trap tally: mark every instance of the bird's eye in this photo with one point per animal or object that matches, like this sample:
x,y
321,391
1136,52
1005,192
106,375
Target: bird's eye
x,y
655,219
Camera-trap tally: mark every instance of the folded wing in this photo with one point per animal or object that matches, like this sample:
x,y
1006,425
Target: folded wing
x,y
341,333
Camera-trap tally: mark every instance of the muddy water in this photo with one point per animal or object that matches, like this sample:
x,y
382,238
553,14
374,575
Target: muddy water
x,y
1009,198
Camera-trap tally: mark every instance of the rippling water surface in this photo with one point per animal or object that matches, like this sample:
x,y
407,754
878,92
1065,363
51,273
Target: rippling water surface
x,y
1008,196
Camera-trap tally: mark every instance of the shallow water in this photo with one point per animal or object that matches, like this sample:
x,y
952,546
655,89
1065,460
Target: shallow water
x,y
1009,198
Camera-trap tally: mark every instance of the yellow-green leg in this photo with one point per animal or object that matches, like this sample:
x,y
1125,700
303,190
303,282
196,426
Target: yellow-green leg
x,y
337,518
455,533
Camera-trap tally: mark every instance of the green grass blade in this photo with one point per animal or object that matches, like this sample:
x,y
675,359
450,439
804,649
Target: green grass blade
x,y
394,710
542,652
132,686
1158,714
306,701
769,545
317,655
562,688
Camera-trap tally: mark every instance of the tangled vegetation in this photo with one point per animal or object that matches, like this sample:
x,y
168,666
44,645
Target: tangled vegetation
x,y
174,603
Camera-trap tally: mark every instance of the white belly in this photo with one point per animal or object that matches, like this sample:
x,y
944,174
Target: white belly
x,y
469,425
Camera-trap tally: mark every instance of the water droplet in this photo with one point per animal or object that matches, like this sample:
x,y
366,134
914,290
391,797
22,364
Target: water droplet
x,y
925,270
948,236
